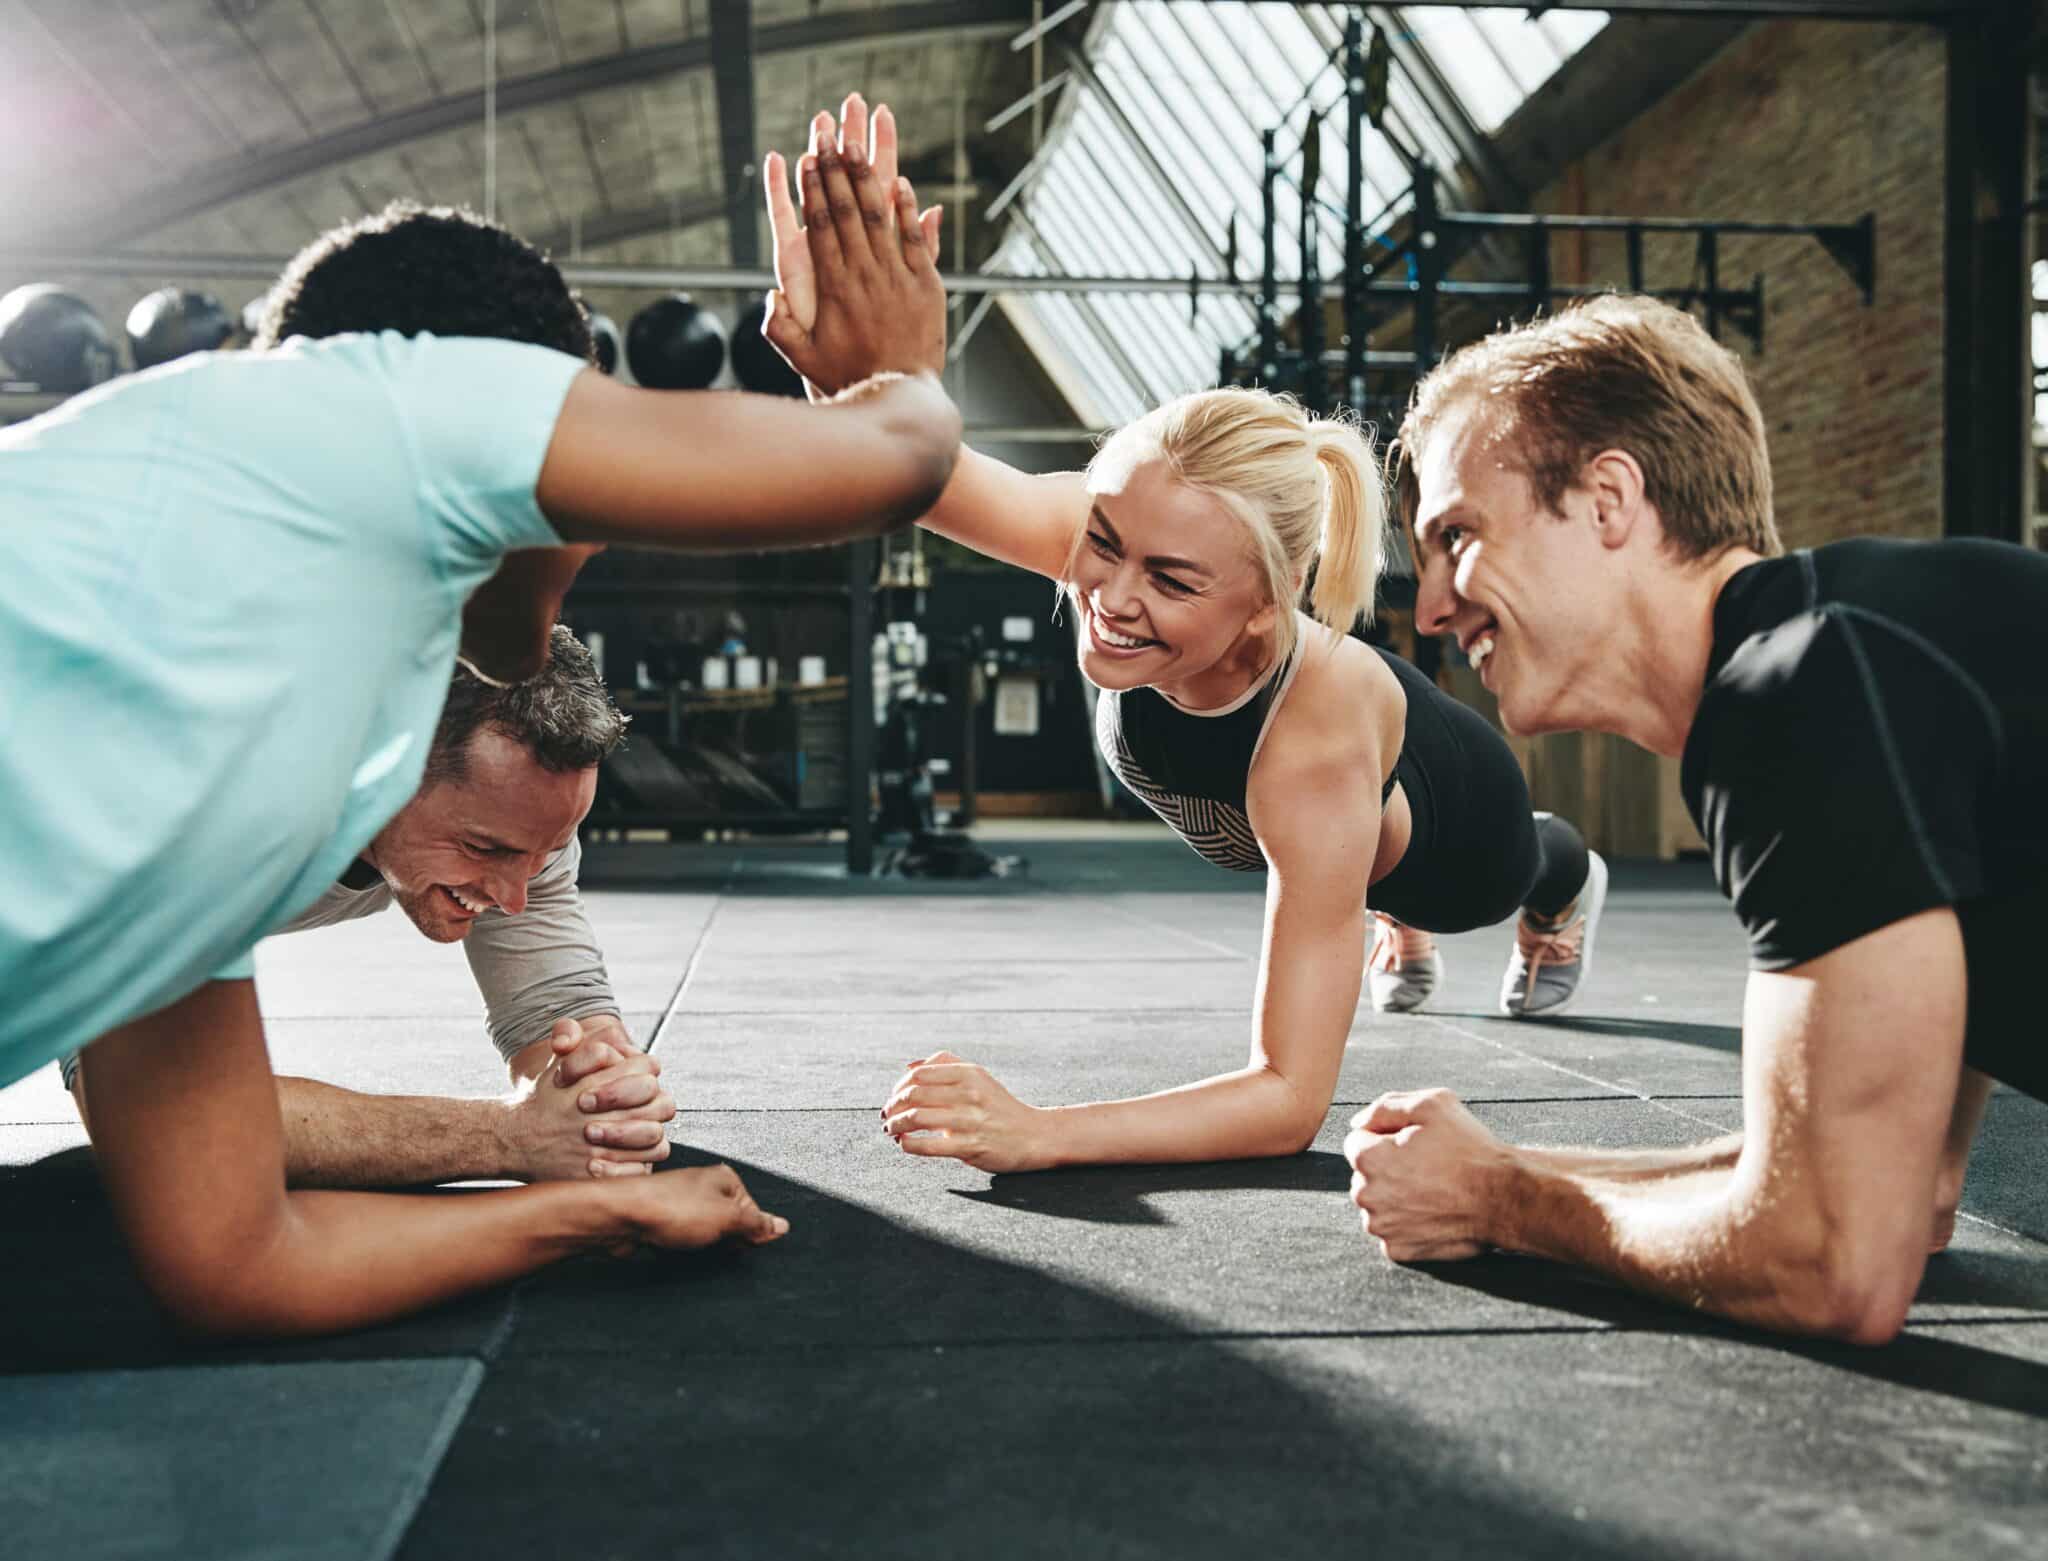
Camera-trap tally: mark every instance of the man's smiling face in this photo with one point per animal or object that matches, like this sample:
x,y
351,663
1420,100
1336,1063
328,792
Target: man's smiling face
x,y
464,846
1526,592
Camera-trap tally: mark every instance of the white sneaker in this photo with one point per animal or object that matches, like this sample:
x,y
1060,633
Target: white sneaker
x,y
1548,964
1405,967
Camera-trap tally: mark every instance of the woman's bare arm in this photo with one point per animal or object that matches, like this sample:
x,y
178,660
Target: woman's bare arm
x,y
1317,815
1032,522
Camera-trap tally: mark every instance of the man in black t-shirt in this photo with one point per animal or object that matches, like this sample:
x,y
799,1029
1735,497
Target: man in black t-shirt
x,y
1864,732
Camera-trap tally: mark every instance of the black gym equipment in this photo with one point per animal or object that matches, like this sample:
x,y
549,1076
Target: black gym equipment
x,y
911,682
757,365
1408,273
604,336
53,339
174,321
675,344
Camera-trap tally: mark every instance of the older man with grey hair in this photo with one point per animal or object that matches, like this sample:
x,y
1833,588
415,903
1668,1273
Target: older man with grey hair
x,y
486,854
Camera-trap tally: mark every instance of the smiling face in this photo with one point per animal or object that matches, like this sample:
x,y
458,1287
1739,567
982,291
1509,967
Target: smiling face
x,y
1164,581
462,847
1527,593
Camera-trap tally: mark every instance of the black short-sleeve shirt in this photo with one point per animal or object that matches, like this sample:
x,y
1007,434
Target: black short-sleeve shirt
x,y
1872,742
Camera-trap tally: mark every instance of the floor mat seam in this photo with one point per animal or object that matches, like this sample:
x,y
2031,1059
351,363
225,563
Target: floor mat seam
x,y
1179,932
1590,1078
413,1496
696,954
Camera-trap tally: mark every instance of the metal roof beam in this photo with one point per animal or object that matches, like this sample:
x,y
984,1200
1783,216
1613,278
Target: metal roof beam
x,y
1935,11
232,178
732,78
672,214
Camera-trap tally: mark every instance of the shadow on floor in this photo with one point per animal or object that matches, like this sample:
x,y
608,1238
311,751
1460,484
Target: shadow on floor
x,y
915,1389
1943,1364
74,1302
1115,1195
1715,1037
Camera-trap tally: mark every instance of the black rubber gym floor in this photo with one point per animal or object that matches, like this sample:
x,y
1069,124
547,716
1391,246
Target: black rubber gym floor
x,y
1200,1361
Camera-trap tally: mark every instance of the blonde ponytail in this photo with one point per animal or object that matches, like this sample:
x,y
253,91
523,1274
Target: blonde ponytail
x,y
1307,489
1354,526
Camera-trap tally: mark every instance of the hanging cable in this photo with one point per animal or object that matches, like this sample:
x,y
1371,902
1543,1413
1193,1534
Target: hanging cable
x,y
490,110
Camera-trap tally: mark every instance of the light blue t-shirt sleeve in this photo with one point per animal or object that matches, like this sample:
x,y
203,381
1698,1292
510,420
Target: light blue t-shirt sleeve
x,y
480,414
241,968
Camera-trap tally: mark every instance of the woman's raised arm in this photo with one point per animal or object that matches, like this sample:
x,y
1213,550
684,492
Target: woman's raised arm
x,y
854,273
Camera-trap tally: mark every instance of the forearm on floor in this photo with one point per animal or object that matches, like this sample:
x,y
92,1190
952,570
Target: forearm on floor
x,y
340,1260
1690,1239
1249,1114
339,1138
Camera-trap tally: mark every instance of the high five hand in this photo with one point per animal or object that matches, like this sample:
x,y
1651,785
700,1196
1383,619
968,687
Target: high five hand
x,y
858,289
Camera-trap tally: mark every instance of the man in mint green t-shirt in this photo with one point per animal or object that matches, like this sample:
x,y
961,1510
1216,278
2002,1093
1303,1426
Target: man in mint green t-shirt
x,y
232,593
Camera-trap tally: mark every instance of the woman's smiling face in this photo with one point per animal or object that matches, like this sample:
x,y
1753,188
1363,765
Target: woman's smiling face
x,y
1164,580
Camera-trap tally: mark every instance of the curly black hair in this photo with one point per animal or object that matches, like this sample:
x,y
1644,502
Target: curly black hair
x,y
440,269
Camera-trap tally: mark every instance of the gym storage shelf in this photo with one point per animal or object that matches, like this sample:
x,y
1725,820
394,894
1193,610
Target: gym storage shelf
x,y
782,758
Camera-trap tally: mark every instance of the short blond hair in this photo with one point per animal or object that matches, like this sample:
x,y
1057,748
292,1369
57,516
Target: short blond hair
x,y
1618,372
1306,488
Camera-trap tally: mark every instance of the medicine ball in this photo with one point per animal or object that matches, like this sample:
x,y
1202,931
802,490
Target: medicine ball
x,y
755,363
674,344
53,337
604,336
173,321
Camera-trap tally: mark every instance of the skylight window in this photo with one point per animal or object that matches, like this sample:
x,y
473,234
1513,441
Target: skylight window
x,y
1198,84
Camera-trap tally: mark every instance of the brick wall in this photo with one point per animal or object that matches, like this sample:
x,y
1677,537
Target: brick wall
x,y
1792,122
1806,122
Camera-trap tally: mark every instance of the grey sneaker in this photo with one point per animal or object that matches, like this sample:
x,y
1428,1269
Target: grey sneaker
x,y
1548,964
1405,969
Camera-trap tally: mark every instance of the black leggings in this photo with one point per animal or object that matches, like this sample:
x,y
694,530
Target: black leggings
x,y
1477,854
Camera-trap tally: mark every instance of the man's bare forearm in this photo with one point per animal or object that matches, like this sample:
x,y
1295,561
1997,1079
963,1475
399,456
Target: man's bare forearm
x,y
185,1123
1681,1237
339,1138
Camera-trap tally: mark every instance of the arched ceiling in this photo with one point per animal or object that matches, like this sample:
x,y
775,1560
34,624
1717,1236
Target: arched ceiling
x,y
624,133
249,126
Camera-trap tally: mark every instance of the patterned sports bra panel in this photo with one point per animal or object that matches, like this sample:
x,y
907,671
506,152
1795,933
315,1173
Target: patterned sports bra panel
x,y
1192,769
1218,830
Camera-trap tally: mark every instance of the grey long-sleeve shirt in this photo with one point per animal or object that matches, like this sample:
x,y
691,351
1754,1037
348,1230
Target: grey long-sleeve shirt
x,y
533,969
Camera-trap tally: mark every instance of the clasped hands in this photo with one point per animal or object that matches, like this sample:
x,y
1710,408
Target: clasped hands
x,y
1425,1175
596,1109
